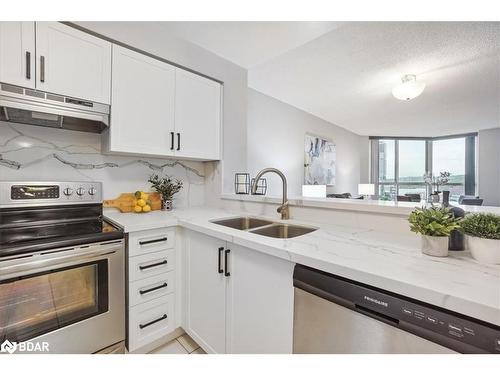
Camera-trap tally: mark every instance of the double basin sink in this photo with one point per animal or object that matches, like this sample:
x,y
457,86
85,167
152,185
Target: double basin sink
x,y
265,227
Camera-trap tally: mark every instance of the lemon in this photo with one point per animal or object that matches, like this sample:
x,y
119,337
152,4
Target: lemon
x,y
137,209
137,194
141,202
144,196
146,208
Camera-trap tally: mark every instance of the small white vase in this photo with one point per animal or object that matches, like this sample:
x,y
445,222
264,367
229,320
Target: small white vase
x,y
484,250
436,246
167,204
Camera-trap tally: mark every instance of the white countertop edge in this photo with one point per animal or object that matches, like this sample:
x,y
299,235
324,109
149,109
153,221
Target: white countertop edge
x,y
360,205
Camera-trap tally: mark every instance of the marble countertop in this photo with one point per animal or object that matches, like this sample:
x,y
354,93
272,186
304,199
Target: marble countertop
x,y
390,262
360,205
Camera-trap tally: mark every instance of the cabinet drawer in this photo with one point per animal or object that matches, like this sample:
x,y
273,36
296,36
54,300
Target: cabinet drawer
x,y
149,241
153,287
150,321
151,264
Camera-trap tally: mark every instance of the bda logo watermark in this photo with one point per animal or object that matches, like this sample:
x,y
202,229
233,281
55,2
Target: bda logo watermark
x,y
8,346
24,347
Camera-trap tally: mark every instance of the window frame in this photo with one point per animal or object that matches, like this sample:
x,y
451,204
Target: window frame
x,y
470,186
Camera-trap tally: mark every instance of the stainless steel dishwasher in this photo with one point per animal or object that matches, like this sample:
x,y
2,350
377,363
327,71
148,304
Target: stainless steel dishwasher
x,y
337,315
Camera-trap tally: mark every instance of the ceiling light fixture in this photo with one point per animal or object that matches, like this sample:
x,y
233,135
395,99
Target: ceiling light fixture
x,y
409,88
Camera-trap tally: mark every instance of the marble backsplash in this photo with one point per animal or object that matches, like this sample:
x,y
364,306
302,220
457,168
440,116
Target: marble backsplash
x,y
36,153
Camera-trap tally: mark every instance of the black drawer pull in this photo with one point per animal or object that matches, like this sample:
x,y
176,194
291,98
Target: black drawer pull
x,y
153,265
178,141
163,239
226,273
42,68
171,140
141,326
164,285
219,260
28,65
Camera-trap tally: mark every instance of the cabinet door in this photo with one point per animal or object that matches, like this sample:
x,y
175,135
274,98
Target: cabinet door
x,y
197,116
205,292
17,53
142,108
259,303
71,62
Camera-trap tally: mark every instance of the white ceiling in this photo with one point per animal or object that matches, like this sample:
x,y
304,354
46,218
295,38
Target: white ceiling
x,y
344,72
248,43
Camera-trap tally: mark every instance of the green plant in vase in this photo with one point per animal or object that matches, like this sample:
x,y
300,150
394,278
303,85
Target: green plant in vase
x,y
435,225
482,234
167,187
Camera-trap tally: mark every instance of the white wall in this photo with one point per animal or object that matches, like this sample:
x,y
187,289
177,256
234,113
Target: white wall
x,y
489,166
151,38
275,133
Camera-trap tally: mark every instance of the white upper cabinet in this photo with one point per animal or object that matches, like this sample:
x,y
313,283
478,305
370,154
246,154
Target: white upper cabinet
x,y
71,62
17,53
142,107
197,116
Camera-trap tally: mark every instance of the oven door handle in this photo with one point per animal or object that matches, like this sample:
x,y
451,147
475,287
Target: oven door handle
x,y
46,261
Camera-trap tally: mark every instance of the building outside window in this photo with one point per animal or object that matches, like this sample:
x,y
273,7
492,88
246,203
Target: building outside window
x,y
399,165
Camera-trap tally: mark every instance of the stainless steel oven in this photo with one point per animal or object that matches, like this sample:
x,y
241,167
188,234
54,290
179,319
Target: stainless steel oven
x,y
62,270
71,298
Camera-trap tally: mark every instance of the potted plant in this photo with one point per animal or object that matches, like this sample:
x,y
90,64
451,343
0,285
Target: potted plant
x,y
167,187
435,225
482,233
434,182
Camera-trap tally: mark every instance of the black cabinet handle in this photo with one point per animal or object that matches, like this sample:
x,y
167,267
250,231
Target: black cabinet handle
x,y
141,326
153,265
226,253
164,285
178,141
163,239
171,140
28,65
221,249
42,68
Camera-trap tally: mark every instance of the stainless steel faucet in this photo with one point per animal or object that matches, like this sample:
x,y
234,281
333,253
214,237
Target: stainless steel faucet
x,y
284,210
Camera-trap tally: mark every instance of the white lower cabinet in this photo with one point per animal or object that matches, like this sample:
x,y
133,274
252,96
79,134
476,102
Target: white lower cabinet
x,y
150,321
259,302
151,286
237,300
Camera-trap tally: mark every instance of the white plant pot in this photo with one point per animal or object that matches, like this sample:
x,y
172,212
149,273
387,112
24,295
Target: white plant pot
x,y
484,250
435,246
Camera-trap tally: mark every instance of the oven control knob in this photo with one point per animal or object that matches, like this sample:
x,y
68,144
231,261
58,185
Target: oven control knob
x,y
68,191
80,191
92,191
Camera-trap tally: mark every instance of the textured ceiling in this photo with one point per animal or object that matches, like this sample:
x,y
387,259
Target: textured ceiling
x,y
346,77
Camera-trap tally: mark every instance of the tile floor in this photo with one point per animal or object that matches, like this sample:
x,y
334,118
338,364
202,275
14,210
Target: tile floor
x,y
181,345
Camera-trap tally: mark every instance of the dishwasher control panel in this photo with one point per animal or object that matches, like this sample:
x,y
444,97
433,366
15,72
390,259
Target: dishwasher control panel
x,y
457,327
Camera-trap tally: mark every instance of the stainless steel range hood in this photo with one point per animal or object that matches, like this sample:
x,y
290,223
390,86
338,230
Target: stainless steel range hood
x,y
33,107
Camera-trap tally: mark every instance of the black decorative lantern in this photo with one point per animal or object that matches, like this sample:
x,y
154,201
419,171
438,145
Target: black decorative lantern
x,y
261,186
242,183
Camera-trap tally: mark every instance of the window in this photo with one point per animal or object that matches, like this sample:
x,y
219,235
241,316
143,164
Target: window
x,y
399,165
411,166
386,157
449,155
